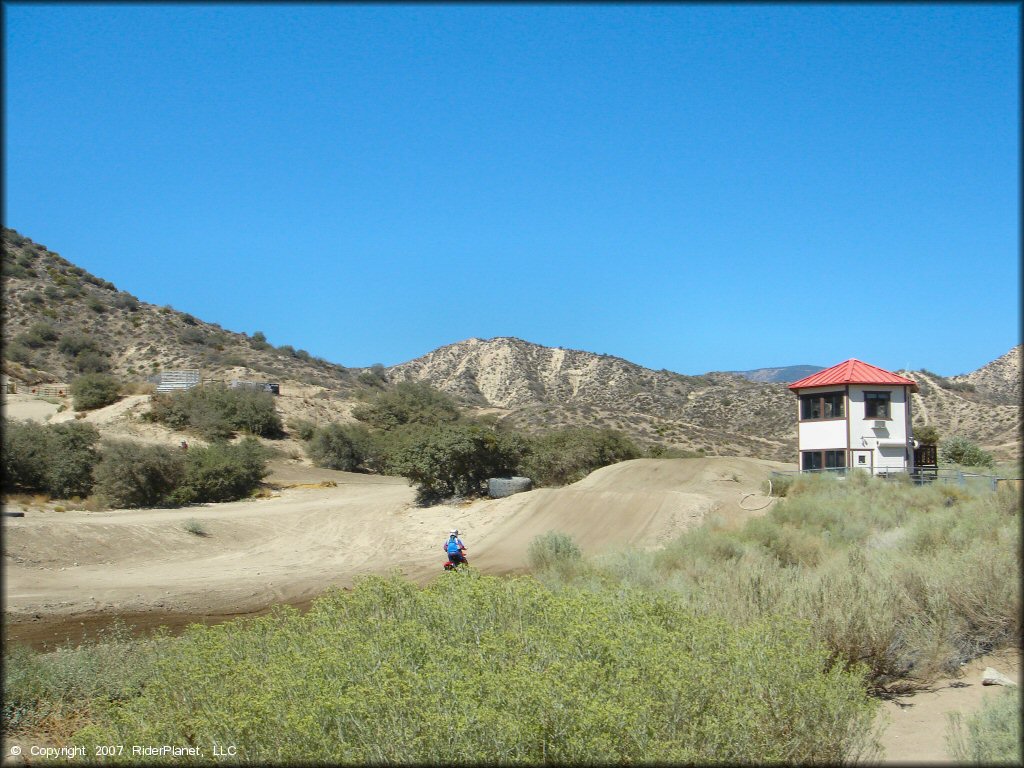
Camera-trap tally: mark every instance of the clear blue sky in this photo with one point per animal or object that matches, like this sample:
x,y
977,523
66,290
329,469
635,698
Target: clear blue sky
x,y
691,187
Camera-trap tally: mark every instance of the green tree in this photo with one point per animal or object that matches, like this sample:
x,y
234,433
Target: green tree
x,y
926,434
94,390
25,455
222,472
960,450
564,456
455,459
72,457
131,474
339,446
57,459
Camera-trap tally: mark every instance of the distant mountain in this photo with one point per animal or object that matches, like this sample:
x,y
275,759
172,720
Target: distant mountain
x,y
59,321
785,375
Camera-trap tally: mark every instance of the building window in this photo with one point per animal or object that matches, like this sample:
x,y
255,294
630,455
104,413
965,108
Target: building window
x,y
828,405
823,459
876,405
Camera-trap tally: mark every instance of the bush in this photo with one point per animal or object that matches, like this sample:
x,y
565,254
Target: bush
x,y
43,689
553,550
408,403
94,390
57,459
564,456
131,474
304,429
126,301
221,472
38,335
91,361
454,459
990,736
472,670
926,434
25,455
338,446
960,450
72,457
217,412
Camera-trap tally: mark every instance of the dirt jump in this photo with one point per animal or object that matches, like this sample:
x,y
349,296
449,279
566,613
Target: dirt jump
x,y
323,529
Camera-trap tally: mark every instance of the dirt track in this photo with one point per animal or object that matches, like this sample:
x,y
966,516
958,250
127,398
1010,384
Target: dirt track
x,y
310,536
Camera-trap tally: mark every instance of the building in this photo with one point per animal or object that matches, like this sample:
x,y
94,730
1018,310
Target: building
x,y
855,415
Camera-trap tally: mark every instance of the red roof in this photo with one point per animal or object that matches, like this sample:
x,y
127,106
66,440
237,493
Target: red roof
x,y
853,372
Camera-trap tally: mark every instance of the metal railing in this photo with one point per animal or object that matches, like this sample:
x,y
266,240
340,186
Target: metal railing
x,y
918,476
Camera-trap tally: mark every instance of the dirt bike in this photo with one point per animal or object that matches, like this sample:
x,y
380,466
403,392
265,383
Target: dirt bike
x,y
451,565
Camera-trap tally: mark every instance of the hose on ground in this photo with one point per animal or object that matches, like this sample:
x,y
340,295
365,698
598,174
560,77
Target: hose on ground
x,y
757,509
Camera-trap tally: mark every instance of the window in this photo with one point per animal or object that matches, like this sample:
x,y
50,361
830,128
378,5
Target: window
x,y
828,405
823,459
876,405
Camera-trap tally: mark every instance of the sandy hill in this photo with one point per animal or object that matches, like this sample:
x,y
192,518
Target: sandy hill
x,y
535,387
61,321
1000,380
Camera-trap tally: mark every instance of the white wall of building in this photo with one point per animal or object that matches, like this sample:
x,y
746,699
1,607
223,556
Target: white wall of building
x,y
890,440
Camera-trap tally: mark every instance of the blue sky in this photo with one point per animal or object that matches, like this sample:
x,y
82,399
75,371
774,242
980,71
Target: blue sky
x,y
691,187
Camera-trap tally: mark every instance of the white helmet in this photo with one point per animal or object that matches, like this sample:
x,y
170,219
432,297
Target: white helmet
x,y
454,532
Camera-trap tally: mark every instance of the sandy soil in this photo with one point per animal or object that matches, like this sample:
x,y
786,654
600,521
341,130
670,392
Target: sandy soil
x,y
322,528
915,731
325,528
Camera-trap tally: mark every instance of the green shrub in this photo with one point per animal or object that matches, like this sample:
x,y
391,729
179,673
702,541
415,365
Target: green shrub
x,y
338,446
38,335
221,472
304,429
17,353
71,683
454,459
126,301
57,459
470,670
988,737
131,474
75,342
409,402
94,390
960,450
217,412
926,434
564,456
25,455
72,457
553,550
96,305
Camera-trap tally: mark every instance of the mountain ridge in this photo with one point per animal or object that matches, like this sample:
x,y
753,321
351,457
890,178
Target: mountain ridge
x,y
60,321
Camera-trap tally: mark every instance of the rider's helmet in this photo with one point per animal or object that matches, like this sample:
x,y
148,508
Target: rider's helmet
x,y
454,532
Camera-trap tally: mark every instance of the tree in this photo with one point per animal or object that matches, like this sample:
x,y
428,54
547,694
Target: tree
x,y
926,434
455,459
960,450
339,446
131,474
564,456
72,458
94,390
222,472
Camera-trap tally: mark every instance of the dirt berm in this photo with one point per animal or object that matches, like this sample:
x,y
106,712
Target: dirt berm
x,y
325,528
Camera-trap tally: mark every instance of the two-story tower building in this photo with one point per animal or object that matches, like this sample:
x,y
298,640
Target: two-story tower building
x,y
855,415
